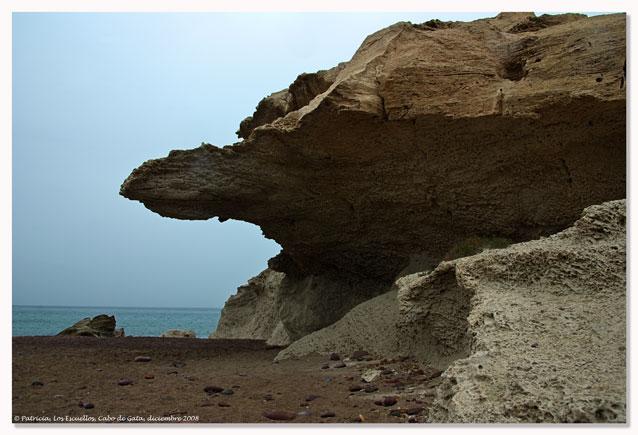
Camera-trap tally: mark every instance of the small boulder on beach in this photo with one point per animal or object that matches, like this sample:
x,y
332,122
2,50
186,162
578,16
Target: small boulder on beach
x,y
178,333
101,325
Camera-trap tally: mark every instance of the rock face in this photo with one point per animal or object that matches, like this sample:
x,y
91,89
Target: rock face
x,y
252,313
544,325
101,325
531,333
430,135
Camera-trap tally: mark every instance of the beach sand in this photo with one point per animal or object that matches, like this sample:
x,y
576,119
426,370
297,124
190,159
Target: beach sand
x,y
53,375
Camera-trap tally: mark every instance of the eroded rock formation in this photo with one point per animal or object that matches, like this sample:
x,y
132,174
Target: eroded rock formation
x,y
431,134
252,313
531,333
544,322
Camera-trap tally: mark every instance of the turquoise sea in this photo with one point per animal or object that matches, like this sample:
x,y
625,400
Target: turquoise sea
x,y
151,322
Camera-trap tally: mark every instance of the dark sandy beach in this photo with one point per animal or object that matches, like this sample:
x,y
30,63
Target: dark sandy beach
x,y
52,376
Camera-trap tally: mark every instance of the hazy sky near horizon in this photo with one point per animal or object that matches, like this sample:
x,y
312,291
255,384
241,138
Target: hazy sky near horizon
x,y
95,95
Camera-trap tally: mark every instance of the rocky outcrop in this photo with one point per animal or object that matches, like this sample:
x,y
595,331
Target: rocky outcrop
x,y
281,309
543,324
101,325
178,333
252,313
432,134
277,105
531,333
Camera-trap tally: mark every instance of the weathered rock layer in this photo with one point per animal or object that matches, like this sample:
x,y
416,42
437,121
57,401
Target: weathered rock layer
x,y
535,332
252,313
429,135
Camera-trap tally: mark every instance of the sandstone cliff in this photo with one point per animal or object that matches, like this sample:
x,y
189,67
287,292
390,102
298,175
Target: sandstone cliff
x,y
531,333
431,134
252,313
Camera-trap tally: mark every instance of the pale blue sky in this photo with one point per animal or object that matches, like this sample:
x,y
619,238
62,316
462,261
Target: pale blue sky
x,y
95,95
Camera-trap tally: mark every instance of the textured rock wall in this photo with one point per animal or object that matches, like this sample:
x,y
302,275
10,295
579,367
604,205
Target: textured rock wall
x,y
252,313
546,326
429,135
531,333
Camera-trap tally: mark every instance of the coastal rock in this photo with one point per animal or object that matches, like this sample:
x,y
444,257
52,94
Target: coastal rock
x,y
518,331
433,134
178,333
252,313
101,325
536,318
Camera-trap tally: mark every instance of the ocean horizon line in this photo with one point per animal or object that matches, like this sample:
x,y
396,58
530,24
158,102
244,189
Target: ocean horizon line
x,y
116,307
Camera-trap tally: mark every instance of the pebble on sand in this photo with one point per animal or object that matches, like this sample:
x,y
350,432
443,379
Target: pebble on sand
x,y
334,356
414,411
327,414
279,415
123,382
359,355
387,401
354,388
227,392
213,389
37,383
339,365
142,358
370,375
149,376
311,397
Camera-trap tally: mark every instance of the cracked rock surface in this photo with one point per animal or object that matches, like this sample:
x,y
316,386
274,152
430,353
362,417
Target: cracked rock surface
x,y
432,133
